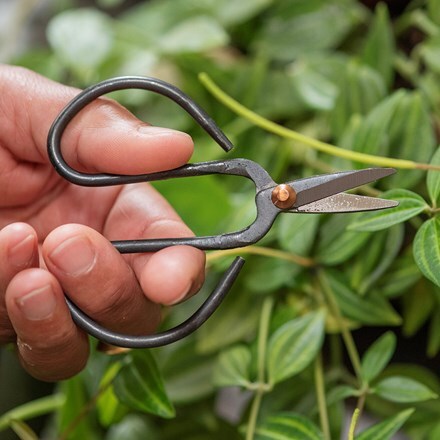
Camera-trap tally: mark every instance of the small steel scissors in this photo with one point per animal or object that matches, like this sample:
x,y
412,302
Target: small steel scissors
x,y
318,194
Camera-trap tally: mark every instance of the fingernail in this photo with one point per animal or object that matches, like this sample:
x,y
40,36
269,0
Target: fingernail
x,y
182,296
22,253
75,256
38,304
160,131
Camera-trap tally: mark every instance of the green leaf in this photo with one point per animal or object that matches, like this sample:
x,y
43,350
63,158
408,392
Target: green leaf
x,y
109,3
434,11
76,399
418,304
411,135
340,392
387,428
82,38
434,432
370,309
391,243
296,233
110,410
288,426
296,28
294,346
410,205
426,248
317,92
402,274
336,244
139,385
361,89
366,261
376,358
370,134
379,48
434,334
268,274
193,35
187,373
205,196
429,52
315,79
433,180
239,312
133,427
190,384
403,390
233,367
231,12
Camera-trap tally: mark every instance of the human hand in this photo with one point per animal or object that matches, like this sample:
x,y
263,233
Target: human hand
x,y
54,236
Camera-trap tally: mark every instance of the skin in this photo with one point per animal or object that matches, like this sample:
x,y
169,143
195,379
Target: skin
x,y
54,236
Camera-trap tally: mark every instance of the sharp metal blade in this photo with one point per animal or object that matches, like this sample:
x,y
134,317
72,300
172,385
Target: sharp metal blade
x,y
344,202
316,188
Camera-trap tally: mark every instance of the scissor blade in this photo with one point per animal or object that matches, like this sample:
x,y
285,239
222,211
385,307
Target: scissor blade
x,y
316,188
343,202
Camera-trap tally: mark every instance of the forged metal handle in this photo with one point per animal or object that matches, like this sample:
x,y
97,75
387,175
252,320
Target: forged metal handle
x,y
121,83
54,150
168,336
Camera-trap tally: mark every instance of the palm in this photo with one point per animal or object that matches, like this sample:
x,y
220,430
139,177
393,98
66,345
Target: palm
x,y
36,194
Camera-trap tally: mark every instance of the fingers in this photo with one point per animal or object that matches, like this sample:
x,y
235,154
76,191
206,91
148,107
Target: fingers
x,y
172,274
104,137
167,276
99,280
18,251
107,138
50,346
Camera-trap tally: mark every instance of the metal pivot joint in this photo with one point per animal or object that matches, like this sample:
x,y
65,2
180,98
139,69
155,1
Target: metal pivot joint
x,y
315,194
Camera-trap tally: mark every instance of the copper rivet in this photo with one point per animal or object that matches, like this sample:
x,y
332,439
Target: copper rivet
x,y
283,196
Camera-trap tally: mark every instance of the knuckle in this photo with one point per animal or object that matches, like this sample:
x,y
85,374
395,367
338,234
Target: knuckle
x,y
54,358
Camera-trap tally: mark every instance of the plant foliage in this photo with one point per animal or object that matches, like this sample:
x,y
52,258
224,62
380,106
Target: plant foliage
x,y
332,85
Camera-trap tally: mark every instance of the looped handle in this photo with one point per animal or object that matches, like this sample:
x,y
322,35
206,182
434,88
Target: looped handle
x,y
54,150
121,83
168,336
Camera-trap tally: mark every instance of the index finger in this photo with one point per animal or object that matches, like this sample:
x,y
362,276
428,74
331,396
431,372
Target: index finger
x,y
104,137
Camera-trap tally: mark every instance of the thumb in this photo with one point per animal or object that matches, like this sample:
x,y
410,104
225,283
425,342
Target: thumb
x,y
104,137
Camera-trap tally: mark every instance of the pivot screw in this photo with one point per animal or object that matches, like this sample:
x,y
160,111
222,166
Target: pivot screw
x,y
283,196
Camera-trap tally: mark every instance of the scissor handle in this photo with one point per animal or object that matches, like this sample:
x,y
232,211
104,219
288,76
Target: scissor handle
x,y
54,150
111,85
168,336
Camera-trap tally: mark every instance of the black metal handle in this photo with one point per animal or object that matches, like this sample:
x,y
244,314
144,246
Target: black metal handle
x,y
168,336
93,92
54,150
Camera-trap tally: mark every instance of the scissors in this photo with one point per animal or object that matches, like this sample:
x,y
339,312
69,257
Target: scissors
x,y
317,194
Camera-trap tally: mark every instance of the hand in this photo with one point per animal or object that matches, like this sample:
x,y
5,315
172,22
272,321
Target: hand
x,y
54,236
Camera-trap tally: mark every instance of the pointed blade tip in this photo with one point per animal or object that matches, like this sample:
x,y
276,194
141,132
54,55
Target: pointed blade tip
x,y
389,171
379,173
390,204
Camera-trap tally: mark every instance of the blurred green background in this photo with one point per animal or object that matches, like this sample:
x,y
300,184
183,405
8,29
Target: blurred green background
x,y
293,345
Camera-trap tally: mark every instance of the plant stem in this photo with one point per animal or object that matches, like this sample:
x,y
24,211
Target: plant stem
x,y
32,409
259,250
345,332
85,410
320,397
253,416
266,311
324,147
353,423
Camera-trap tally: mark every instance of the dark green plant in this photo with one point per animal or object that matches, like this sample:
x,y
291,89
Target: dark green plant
x,y
302,87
